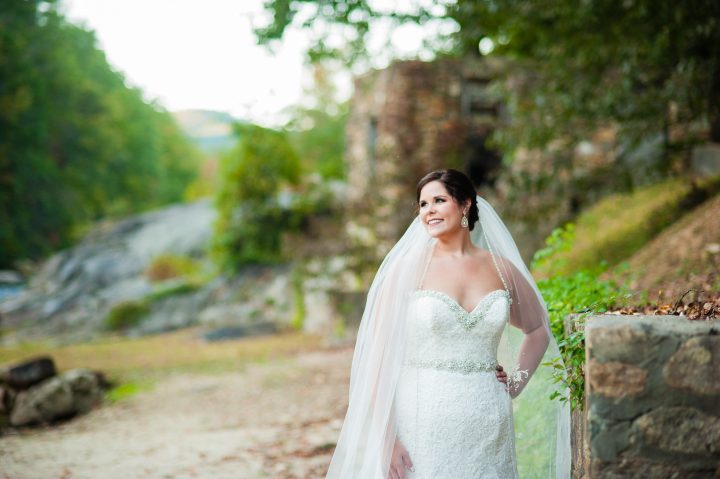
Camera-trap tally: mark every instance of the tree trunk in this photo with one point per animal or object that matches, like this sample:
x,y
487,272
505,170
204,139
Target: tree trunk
x,y
715,127
714,103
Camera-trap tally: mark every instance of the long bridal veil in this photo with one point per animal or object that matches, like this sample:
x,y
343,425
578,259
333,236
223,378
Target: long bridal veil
x,y
542,426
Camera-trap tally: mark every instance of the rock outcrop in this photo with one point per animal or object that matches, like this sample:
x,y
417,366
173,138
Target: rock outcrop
x,y
75,289
32,393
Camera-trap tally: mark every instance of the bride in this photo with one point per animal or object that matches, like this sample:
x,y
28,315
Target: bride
x,y
451,301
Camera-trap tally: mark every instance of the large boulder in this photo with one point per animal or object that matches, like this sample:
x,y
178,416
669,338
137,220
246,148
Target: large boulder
x,y
28,373
73,392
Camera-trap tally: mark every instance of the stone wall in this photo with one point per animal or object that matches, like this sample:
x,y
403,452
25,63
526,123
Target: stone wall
x,y
414,117
653,396
406,120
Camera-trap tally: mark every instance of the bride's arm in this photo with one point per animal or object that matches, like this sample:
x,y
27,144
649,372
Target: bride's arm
x,y
529,315
531,353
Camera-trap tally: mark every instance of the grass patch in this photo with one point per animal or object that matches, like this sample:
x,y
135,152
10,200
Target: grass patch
x,y
176,287
140,359
615,228
127,390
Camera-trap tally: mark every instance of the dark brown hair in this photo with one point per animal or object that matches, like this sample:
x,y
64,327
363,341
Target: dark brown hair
x,y
458,185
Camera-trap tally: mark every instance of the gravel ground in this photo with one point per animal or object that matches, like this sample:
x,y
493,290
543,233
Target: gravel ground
x,y
279,419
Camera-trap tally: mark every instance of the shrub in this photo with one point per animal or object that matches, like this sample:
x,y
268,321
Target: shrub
x,y
126,314
580,293
251,213
173,289
168,266
296,280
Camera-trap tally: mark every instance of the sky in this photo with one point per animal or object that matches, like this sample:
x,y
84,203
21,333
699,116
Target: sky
x,y
201,54
190,54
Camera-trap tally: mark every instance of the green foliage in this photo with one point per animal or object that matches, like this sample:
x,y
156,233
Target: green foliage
x,y
255,177
580,294
77,143
643,65
319,139
126,314
298,298
317,132
173,289
127,390
614,228
550,258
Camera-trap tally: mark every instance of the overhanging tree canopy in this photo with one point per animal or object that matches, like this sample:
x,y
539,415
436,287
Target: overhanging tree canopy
x,y
641,64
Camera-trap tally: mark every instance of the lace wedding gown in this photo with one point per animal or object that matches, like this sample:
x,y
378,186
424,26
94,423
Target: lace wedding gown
x,y
453,416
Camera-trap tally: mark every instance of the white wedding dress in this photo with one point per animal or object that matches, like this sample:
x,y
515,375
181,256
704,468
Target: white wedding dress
x,y
453,416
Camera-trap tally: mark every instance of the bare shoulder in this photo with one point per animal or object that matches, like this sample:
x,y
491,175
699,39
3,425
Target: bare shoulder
x,y
481,255
485,255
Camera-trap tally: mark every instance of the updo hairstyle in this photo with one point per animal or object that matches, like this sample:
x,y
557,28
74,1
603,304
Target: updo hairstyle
x,y
458,185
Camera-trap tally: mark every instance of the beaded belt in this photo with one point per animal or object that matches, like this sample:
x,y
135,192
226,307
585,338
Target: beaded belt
x,y
465,366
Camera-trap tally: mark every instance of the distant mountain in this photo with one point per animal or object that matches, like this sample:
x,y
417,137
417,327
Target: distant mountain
x,y
210,130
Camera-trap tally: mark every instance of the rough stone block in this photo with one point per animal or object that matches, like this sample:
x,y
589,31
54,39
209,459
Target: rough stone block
x,y
609,439
631,468
695,366
653,396
642,339
681,429
615,379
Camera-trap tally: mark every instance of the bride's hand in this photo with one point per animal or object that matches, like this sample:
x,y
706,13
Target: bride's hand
x,y
500,374
400,460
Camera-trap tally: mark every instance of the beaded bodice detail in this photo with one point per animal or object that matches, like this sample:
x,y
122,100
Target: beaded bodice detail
x,y
443,335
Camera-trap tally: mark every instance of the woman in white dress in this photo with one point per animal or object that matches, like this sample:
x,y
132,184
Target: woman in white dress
x,y
450,302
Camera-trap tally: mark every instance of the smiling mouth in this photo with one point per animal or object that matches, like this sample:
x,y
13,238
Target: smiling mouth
x,y
434,221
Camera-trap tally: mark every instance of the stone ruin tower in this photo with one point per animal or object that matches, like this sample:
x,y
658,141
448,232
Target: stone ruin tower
x,y
405,121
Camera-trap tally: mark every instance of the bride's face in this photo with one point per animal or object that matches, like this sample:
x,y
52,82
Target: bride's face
x,y
439,212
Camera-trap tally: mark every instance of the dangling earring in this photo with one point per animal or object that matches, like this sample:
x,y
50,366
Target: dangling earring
x,y
464,221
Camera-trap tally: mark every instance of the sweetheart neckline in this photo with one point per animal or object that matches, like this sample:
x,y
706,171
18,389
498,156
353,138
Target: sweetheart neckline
x,y
456,303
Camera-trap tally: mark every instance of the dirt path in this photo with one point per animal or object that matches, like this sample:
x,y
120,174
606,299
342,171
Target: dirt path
x,y
278,420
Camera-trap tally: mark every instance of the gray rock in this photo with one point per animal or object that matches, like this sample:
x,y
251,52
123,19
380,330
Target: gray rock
x,y
7,398
174,312
62,396
10,277
695,366
74,289
633,467
29,372
653,398
608,439
627,342
219,314
706,159
73,292
235,332
681,429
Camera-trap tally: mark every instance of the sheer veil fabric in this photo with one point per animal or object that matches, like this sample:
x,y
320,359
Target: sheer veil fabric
x,y
542,426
